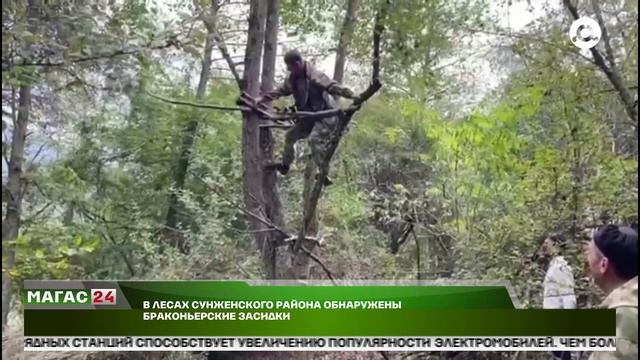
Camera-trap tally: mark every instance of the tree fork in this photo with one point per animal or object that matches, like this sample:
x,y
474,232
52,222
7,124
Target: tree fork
x,y
300,262
344,117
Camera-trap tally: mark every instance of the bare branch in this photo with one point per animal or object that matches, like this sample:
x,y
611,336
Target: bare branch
x,y
220,193
196,105
418,266
33,217
319,262
611,73
227,57
33,159
210,23
605,33
170,43
368,93
108,237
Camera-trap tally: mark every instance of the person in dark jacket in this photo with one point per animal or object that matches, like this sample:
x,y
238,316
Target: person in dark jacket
x,y
312,91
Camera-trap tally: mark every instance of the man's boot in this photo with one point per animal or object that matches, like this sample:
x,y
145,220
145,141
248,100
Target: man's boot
x,y
282,168
327,181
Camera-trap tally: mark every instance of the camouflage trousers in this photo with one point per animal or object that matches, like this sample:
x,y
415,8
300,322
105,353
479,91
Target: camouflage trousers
x,y
317,130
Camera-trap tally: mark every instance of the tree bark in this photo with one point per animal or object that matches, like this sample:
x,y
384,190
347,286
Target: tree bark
x,y
181,165
344,117
251,152
300,264
15,176
273,205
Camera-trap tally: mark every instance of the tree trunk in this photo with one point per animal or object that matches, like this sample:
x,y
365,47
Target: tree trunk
x,y
273,205
251,152
345,38
609,70
181,165
11,223
300,260
15,174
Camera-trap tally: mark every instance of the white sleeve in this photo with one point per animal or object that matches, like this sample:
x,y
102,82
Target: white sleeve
x,y
569,302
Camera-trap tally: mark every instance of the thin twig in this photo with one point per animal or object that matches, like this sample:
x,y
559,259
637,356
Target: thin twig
x,y
227,57
33,159
196,105
106,235
37,213
319,262
242,209
120,52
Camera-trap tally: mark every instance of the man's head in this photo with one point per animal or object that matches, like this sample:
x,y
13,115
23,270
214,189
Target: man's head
x,y
612,256
294,62
551,246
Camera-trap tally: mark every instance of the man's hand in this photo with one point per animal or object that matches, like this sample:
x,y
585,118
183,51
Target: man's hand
x,y
348,93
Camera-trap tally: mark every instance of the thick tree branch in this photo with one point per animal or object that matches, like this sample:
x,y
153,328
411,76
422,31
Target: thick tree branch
x,y
368,93
344,117
227,57
605,33
197,105
610,72
211,23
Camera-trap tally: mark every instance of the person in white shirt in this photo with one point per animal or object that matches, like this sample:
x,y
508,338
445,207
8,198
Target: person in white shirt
x,y
559,284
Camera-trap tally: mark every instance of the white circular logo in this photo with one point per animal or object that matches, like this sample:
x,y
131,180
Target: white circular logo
x,y
585,33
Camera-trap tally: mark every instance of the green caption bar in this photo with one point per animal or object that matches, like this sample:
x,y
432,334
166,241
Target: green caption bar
x,y
217,308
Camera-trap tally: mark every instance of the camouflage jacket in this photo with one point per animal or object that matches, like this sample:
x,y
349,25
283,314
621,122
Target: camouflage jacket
x,y
559,285
311,91
625,300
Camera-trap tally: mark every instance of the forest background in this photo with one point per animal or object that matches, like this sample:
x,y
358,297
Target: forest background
x,y
491,131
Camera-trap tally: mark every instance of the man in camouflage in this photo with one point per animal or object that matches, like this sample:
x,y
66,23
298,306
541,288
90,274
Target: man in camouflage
x,y
612,257
312,92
